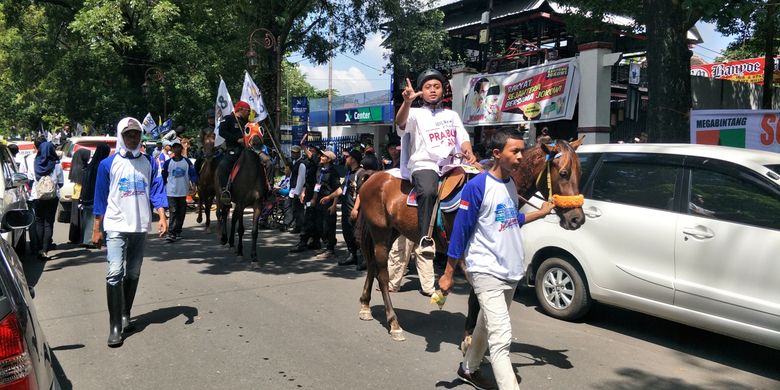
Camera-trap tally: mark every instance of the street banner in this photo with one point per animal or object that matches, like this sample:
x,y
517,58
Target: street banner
x,y
300,118
222,108
148,123
750,70
540,93
251,94
751,129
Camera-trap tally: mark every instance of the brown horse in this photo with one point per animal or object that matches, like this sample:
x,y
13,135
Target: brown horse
x,y
384,214
249,188
206,189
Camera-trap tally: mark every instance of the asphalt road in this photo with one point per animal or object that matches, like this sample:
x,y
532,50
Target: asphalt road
x,y
206,319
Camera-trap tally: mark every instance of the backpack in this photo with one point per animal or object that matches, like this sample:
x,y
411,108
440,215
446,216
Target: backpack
x,y
46,188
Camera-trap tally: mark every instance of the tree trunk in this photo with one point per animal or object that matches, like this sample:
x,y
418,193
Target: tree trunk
x,y
668,71
769,56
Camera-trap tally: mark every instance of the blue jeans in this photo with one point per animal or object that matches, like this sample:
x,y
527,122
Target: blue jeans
x,y
125,253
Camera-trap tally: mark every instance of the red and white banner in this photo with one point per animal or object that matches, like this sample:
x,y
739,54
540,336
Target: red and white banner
x,y
750,70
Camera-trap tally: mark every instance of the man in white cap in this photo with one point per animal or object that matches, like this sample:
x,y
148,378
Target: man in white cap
x,y
126,183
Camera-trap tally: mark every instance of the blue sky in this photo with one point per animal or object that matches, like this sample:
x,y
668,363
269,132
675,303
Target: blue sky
x,y
363,72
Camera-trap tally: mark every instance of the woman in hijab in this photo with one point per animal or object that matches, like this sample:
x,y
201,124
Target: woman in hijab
x,y
88,193
76,176
47,164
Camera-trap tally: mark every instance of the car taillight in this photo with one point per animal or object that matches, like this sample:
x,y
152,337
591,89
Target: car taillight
x,y
15,363
66,165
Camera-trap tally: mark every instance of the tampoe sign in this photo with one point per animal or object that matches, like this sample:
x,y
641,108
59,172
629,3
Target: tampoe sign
x,y
359,115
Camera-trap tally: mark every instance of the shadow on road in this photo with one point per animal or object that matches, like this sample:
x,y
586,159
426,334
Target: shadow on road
x,y
437,327
59,373
634,379
687,341
538,356
161,316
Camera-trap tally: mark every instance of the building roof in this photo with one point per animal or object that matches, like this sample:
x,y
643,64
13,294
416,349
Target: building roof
x,y
466,13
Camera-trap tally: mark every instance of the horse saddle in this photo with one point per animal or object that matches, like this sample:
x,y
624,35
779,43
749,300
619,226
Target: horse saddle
x,y
451,185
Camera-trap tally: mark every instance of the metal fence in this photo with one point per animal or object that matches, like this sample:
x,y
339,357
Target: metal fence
x,y
336,144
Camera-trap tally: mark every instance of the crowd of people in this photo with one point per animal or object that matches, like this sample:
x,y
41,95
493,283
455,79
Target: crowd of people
x,y
113,193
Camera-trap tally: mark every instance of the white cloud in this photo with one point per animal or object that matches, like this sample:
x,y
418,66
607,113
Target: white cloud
x,y
351,80
373,50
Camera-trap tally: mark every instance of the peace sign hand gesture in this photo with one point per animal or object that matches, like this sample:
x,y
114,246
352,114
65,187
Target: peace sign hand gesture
x,y
408,94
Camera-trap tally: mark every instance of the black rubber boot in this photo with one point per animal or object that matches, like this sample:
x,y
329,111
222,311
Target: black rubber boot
x,y
114,295
131,286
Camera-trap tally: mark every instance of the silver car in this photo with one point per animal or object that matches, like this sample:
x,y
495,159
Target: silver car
x,y
690,233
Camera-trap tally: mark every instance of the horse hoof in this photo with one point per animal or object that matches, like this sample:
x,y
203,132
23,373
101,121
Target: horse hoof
x,y
397,335
199,220
365,314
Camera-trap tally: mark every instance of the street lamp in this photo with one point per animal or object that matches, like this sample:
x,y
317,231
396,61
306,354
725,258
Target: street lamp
x,y
155,74
270,42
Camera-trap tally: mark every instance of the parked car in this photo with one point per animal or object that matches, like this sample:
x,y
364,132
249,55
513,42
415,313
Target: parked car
x,y
68,149
13,202
25,358
690,233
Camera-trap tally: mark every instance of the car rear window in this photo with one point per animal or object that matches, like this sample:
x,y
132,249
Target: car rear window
x,y
775,168
92,145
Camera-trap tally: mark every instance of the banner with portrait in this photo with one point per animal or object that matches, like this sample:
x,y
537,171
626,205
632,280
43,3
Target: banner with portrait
x,y
540,93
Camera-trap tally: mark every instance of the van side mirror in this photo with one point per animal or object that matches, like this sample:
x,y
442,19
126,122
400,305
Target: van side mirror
x,y
19,179
16,219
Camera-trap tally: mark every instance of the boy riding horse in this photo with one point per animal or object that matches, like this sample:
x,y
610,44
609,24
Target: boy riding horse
x,y
435,134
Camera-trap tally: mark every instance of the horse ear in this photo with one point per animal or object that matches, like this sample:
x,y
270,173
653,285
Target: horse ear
x,y
576,144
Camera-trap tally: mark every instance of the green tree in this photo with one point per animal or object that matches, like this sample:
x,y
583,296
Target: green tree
x,y
665,24
754,23
415,35
86,59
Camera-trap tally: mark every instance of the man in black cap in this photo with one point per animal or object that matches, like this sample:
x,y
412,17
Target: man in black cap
x,y
297,181
308,229
348,196
393,152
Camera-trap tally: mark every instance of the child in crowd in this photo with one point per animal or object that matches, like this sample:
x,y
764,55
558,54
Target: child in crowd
x,y
179,176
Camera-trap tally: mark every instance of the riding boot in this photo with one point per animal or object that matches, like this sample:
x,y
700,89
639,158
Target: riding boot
x,y
114,295
426,249
130,287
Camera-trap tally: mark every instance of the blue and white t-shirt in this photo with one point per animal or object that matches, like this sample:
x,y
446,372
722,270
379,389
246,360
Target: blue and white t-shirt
x,y
123,189
177,176
487,229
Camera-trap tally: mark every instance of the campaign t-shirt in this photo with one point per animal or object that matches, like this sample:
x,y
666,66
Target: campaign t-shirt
x,y
433,135
487,228
177,176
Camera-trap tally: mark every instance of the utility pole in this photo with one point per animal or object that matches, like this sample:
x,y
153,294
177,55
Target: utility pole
x,y
330,91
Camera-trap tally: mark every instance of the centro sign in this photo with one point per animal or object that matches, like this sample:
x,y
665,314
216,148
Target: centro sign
x,y
359,115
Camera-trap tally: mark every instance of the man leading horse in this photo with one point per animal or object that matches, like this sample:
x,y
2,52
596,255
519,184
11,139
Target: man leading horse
x,y
436,133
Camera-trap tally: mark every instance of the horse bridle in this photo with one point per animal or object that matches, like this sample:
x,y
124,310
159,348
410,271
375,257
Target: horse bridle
x,y
560,201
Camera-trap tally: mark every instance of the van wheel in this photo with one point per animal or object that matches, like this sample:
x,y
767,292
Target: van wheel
x,y
561,289
63,214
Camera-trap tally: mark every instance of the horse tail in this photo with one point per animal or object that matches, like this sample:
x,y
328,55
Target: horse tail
x,y
365,241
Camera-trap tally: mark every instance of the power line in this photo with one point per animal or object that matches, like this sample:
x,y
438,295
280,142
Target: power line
x,y
363,63
708,49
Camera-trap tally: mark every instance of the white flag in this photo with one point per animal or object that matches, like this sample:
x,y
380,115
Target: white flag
x,y
148,124
222,108
251,94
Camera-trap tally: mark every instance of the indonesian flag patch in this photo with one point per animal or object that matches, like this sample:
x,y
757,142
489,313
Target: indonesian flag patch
x,y
464,205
